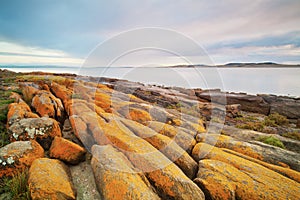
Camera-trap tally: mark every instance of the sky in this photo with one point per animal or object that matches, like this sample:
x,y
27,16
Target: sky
x,y
66,33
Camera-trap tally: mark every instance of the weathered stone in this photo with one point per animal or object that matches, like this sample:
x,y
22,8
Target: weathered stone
x,y
81,131
61,92
67,151
41,129
233,110
18,111
18,156
135,114
183,139
267,153
250,178
287,106
17,97
292,174
104,101
29,90
165,145
49,179
84,181
169,180
248,103
116,178
47,105
221,180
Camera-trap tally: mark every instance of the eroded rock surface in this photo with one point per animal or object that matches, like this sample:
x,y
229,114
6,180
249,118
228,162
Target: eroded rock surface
x,y
147,142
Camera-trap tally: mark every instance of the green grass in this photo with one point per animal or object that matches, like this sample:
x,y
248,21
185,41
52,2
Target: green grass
x,y
271,141
16,187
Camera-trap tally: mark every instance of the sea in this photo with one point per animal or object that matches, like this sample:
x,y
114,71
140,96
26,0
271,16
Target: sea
x,y
256,80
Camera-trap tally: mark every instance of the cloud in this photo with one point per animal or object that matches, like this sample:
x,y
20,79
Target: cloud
x,y
76,28
288,54
15,54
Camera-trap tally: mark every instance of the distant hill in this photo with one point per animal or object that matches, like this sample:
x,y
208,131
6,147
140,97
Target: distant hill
x,y
240,65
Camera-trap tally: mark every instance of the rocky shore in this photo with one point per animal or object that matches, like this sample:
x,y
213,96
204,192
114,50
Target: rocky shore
x,y
101,138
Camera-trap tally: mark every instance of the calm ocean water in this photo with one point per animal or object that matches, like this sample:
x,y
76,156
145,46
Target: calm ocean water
x,y
279,81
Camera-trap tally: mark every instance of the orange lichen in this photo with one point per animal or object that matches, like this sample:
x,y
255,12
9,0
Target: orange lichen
x,y
49,179
138,115
66,150
252,179
104,101
21,160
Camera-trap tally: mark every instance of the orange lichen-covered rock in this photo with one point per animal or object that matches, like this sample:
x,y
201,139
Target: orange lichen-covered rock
x,y
41,129
103,100
135,114
292,174
49,179
18,156
165,145
67,151
76,107
252,181
47,105
270,154
60,91
29,90
170,181
16,97
223,141
183,139
116,178
81,131
18,111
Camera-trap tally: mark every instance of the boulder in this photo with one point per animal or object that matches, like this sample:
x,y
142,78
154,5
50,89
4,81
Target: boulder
x,y
61,92
41,129
267,153
249,103
287,106
47,105
233,110
182,138
50,179
67,151
169,180
165,145
18,156
18,111
103,101
17,97
116,178
222,180
84,180
29,90
249,178
135,114
81,131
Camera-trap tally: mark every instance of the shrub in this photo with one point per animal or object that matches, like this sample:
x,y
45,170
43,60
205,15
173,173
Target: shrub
x,y
16,187
277,119
271,141
255,126
293,135
4,139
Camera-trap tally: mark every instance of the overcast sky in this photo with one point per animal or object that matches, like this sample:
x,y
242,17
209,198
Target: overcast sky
x,y
64,32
